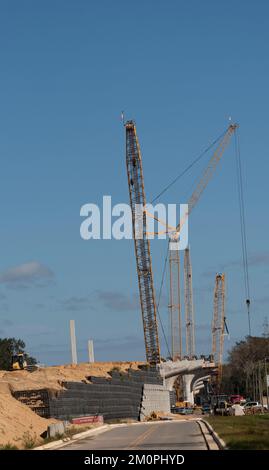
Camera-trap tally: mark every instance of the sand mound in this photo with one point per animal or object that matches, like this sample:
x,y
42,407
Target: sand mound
x,y
19,425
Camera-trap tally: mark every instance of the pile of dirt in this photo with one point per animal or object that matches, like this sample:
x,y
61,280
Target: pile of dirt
x,y
19,425
52,377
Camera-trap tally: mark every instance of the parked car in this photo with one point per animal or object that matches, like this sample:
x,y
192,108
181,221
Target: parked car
x,y
182,410
252,405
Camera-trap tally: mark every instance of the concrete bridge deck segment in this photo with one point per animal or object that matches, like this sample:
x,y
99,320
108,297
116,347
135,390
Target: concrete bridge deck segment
x,y
191,371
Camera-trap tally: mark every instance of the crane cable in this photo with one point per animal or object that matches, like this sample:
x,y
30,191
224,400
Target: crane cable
x,y
196,160
242,225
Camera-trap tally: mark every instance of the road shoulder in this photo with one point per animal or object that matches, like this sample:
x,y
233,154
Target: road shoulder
x,y
213,441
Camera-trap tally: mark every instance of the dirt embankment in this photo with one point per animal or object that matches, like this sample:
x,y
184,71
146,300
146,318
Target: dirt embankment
x,y
19,425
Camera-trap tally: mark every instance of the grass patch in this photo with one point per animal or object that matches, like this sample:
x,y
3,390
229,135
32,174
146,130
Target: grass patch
x,y
57,437
69,432
76,430
8,446
29,442
242,432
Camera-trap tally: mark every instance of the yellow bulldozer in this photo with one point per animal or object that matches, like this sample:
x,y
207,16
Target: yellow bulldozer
x,y
19,362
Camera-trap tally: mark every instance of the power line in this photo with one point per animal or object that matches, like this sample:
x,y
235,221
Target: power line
x,y
159,299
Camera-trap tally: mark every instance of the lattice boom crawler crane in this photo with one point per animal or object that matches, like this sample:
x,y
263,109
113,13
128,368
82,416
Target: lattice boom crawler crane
x,y
142,245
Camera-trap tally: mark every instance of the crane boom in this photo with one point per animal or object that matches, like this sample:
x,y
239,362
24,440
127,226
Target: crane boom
x,y
208,173
142,245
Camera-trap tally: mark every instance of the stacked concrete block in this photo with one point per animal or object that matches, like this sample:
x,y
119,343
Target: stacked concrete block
x,y
119,396
155,398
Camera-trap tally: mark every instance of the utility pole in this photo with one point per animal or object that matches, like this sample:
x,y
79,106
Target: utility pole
x,y
266,382
253,384
248,310
260,386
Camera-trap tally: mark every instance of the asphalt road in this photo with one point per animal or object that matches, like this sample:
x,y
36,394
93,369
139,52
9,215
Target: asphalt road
x,y
153,436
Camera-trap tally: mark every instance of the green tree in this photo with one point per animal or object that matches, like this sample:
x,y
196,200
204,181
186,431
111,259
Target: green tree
x,y
243,363
9,347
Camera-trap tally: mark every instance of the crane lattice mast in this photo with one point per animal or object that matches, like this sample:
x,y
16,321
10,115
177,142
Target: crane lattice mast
x,y
218,323
189,312
142,244
174,300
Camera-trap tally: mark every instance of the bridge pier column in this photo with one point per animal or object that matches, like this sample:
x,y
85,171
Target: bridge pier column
x,y
187,388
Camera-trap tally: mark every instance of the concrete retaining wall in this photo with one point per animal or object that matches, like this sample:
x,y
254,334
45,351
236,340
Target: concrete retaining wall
x,y
155,398
119,396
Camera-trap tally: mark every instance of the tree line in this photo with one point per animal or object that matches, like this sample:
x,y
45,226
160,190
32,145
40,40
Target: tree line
x,y
246,369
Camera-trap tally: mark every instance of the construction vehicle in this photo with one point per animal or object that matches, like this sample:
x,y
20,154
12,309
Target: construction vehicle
x,y
142,245
19,362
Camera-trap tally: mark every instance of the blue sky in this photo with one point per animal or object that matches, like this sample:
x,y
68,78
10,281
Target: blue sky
x,y
180,69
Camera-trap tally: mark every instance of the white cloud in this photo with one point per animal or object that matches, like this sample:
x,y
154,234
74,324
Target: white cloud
x,y
26,274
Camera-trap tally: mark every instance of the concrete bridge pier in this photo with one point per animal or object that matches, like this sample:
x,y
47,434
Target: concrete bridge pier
x,y
199,383
187,388
193,383
191,371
